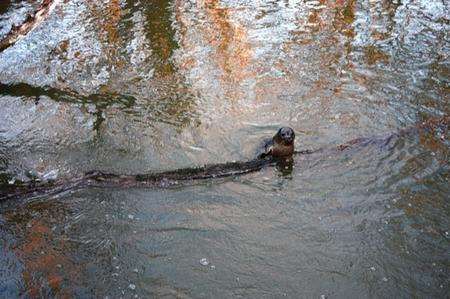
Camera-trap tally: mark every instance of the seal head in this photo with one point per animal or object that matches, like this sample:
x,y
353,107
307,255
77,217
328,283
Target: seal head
x,y
285,136
283,142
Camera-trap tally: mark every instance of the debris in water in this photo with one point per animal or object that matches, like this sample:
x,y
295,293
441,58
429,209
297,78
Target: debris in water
x,y
372,268
130,216
384,279
132,286
204,262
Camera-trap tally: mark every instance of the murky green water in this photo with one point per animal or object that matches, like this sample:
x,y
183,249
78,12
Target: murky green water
x,y
143,86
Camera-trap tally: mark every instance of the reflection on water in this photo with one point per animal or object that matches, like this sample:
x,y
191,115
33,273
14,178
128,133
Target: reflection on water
x,y
138,86
13,13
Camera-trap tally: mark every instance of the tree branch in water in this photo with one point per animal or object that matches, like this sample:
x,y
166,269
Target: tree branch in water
x,y
31,22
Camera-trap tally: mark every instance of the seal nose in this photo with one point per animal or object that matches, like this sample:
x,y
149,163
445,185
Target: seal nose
x,y
288,137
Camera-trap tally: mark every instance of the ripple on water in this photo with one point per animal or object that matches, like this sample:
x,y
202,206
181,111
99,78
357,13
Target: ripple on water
x,y
134,86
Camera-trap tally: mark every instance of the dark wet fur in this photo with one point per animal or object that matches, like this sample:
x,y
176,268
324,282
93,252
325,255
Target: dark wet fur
x,y
189,175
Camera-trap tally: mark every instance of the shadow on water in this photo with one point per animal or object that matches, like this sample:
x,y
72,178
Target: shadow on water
x,y
4,6
149,86
160,34
23,90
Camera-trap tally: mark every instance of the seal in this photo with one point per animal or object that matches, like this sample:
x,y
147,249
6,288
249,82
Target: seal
x,y
281,145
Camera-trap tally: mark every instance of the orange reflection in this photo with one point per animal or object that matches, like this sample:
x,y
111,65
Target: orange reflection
x,y
44,257
232,53
108,24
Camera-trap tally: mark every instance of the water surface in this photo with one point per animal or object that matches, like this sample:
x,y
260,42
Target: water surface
x,y
144,86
